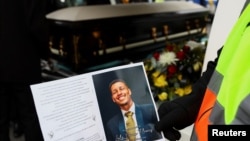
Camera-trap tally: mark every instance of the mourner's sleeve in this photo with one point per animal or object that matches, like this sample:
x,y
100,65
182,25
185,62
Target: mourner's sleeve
x,y
191,103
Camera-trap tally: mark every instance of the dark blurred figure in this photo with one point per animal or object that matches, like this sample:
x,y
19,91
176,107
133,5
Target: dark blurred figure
x,y
15,123
23,42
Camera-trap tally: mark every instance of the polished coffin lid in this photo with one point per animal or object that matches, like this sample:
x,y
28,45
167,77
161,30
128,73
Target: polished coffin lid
x,y
82,13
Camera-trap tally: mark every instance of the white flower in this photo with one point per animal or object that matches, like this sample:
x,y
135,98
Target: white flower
x,y
167,58
193,45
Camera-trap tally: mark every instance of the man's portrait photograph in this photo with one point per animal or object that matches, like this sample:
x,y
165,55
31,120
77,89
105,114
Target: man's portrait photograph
x,y
126,105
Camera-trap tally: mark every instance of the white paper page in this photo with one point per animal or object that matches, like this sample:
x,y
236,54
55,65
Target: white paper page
x,y
79,108
68,110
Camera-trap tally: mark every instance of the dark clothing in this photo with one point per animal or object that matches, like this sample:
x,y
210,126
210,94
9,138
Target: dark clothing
x,y
145,117
23,42
182,112
191,103
26,111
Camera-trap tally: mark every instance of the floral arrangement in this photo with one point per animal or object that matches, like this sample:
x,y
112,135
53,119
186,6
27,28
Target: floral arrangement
x,y
172,70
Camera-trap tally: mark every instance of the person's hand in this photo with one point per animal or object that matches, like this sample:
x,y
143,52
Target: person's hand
x,y
173,117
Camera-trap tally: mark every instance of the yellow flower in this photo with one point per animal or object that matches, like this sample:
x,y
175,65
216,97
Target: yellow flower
x,y
155,74
183,91
197,66
163,96
179,91
187,89
159,79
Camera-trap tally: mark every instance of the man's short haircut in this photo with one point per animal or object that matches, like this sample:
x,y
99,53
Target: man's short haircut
x,y
116,80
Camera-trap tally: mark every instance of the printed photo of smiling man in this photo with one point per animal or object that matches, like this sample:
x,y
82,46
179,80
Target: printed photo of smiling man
x,y
126,105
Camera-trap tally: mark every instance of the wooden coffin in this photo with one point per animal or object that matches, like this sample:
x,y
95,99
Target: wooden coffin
x,y
88,36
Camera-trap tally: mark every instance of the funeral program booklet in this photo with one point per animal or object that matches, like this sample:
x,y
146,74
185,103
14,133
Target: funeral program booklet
x,y
84,108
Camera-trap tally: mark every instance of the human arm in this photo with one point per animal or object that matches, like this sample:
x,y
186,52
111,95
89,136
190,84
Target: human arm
x,y
180,113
